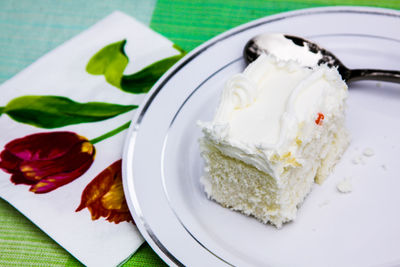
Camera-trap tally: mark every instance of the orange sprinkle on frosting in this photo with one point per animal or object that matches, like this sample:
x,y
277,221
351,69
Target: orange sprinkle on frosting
x,y
320,118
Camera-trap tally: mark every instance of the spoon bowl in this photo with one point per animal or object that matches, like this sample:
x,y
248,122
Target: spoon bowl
x,y
309,54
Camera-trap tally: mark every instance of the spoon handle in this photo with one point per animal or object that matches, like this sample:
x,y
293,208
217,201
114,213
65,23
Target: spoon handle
x,y
374,74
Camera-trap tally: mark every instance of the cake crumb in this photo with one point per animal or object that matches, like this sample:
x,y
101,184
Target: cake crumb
x,y
384,167
326,202
379,85
368,152
358,160
345,186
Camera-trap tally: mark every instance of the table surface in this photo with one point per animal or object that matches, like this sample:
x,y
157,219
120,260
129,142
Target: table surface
x,y
29,29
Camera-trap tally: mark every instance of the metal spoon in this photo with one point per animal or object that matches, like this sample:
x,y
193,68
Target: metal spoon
x,y
310,54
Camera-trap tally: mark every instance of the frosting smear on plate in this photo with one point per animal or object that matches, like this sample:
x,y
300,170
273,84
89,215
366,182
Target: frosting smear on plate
x,y
279,128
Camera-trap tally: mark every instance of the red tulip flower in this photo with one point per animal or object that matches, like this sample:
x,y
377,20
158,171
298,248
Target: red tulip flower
x,y
47,161
104,196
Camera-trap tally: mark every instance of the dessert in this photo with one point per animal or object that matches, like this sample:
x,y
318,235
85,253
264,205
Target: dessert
x,y
278,128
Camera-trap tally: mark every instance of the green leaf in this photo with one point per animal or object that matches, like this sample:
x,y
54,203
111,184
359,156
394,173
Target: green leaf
x,y
56,111
142,81
110,61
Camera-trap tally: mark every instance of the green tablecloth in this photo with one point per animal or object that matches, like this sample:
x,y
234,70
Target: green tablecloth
x,y
29,29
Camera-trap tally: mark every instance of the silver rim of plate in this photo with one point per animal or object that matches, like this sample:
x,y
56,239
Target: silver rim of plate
x,y
134,203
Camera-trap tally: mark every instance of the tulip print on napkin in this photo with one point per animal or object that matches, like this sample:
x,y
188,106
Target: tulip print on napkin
x,y
64,120
46,161
104,196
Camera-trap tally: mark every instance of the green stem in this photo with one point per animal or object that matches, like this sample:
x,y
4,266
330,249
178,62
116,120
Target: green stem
x,y
1,110
111,133
180,49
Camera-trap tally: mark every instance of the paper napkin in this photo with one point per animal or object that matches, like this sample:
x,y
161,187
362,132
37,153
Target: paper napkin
x,y
63,122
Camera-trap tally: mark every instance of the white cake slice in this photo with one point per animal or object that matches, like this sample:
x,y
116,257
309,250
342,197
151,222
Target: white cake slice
x,y
278,128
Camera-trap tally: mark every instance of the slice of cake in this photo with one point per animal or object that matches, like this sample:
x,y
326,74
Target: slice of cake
x,y
278,128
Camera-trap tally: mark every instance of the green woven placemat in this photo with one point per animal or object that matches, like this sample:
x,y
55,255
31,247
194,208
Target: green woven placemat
x,y
190,23
29,29
22,243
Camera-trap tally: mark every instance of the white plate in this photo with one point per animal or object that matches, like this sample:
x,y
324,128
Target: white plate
x,y
162,165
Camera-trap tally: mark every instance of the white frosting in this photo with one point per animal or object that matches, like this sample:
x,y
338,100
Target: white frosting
x,y
271,105
279,46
